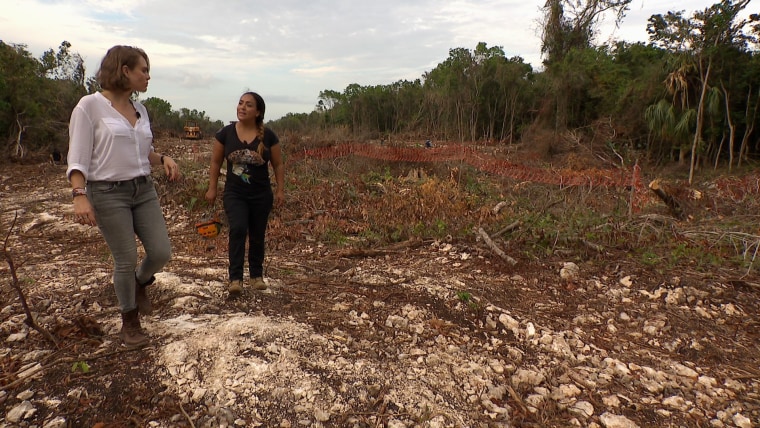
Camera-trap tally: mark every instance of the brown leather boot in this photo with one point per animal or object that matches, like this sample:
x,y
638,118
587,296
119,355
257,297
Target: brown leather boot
x,y
141,296
236,287
131,332
258,283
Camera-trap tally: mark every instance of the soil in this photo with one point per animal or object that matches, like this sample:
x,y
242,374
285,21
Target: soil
x,y
430,333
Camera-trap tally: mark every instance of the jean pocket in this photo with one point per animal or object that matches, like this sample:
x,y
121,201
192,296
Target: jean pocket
x,y
104,187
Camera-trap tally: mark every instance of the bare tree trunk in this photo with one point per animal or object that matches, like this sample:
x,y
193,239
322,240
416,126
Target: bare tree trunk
x,y
731,126
700,119
19,148
750,119
508,124
720,148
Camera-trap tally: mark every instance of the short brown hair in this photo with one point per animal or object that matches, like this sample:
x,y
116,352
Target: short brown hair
x,y
110,76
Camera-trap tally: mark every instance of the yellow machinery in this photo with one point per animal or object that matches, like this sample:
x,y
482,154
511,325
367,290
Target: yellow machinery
x,y
192,130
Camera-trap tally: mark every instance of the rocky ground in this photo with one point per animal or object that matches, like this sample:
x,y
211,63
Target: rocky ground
x,y
431,333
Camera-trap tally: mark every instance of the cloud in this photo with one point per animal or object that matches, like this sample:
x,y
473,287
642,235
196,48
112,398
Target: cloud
x,y
204,54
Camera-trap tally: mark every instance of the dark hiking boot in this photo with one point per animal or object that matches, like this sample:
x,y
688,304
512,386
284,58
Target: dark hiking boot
x,y
141,296
131,332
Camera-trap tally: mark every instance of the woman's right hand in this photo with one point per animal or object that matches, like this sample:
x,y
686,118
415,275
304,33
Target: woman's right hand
x,y
83,211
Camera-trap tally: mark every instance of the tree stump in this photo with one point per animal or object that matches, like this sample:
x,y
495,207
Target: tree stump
x,y
666,195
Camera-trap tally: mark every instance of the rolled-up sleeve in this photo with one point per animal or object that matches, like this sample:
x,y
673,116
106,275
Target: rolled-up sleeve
x,y
81,138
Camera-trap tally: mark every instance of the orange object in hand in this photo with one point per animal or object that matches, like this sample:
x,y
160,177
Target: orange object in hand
x,y
209,229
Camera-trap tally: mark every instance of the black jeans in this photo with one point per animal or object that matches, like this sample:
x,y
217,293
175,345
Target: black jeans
x,y
247,216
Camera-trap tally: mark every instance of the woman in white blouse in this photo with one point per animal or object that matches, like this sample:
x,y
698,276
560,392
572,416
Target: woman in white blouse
x,y
109,165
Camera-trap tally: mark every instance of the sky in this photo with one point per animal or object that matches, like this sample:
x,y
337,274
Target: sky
x,y
205,53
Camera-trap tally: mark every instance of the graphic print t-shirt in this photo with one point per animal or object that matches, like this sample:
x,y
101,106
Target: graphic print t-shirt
x,y
246,169
243,161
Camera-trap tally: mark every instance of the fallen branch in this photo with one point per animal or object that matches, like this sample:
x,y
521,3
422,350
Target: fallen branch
x,y
357,252
596,247
189,420
509,228
498,207
578,240
15,284
517,399
487,239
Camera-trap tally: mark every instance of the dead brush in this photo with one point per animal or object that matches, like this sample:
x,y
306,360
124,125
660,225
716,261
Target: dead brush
x,y
420,209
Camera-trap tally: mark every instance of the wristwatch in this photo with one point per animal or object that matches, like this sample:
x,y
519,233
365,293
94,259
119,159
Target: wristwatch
x,y
79,191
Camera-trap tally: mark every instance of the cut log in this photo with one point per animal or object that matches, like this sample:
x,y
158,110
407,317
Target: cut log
x,y
673,205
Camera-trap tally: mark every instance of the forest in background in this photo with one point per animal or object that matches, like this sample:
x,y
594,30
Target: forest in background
x,y
690,95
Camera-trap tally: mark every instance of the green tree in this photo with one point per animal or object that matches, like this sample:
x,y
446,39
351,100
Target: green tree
x,y
451,93
697,42
160,111
751,94
64,65
22,84
570,26
637,84
334,107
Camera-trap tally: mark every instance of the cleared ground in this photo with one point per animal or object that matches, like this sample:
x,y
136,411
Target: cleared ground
x,y
434,330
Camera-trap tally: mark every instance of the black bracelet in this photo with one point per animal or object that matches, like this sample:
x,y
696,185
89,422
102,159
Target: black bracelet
x,y
162,159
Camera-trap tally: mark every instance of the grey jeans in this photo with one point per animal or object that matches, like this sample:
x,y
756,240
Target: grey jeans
x,y
124,209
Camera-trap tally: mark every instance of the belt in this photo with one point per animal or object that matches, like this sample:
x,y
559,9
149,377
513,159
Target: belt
x,y
137,180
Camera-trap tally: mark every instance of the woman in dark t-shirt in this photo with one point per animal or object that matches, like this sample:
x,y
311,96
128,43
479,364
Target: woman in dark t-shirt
x,y
249,148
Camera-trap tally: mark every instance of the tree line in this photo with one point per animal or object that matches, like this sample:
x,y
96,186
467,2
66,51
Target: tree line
x,y
37,96
690,95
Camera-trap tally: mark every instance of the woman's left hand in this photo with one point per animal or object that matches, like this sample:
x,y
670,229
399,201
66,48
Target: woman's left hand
x,y
279,198
172,169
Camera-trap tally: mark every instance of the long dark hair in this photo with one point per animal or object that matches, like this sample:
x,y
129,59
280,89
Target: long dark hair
x,y
261,107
